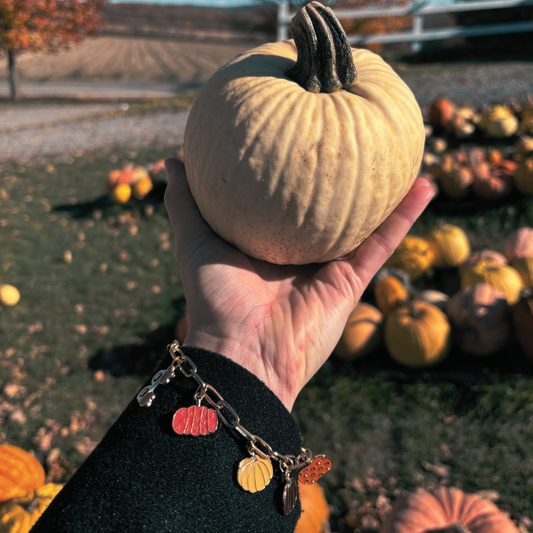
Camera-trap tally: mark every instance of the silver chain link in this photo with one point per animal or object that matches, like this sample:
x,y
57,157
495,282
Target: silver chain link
x,y
228,415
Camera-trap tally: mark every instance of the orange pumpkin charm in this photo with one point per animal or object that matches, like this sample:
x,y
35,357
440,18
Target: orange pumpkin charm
x,y
423,511
20,472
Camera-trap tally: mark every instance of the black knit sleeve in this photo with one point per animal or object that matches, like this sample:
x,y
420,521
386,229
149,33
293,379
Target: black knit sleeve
x,y
143,476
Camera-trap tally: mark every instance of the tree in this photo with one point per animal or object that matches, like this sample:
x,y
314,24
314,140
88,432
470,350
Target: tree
x,y
44,25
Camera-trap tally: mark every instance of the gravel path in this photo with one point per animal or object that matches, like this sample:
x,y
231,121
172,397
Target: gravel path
x,y
32,134
62,141
477,84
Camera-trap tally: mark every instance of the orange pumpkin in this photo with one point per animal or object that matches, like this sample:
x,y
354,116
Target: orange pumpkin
x,y
423,511
440,113
523,176
481,316
417,335
390,293
315,509
119,177
362,332
522,313
141,188
519,243
182,328
491,182
20,472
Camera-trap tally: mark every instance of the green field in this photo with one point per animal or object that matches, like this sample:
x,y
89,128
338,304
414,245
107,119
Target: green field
x,y
89,330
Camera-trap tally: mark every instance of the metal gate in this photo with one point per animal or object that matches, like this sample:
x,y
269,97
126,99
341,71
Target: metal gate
x,y
419,9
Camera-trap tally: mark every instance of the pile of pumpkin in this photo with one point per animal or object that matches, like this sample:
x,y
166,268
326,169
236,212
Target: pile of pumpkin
x,y
134,182
465,122
24,495
491,173
418,327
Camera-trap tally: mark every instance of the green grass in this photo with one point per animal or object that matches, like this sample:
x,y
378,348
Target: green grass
x,y
87,333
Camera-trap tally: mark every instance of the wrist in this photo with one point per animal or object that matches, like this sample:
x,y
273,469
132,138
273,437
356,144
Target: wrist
x,y
250,355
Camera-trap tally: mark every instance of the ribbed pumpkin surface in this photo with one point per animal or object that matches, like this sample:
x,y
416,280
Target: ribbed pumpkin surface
x,y
315,509
20,472
19,515
423,511
295,177
503,277
418,335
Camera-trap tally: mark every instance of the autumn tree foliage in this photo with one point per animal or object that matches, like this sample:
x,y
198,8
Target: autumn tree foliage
x,y
44,25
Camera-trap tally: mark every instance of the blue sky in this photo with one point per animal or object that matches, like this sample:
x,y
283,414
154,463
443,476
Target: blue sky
x,y
201,3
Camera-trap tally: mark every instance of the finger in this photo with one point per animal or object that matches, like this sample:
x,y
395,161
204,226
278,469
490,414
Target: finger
x,y
370,256
188,224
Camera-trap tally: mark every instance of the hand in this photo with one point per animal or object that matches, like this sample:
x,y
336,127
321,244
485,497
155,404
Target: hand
x,y
279,322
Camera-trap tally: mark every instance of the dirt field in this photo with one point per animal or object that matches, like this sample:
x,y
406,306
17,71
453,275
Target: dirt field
x,y
125,58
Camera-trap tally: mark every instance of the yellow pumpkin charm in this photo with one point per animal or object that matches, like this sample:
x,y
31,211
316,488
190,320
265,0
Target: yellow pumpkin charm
x,y
296,151
254,473
20,514
414,256
418,335
450,246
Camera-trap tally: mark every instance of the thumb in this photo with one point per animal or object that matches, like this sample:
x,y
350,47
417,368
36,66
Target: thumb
x,y
190,229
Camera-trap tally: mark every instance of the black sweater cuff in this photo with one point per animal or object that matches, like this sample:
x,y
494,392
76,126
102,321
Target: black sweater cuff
x,y
145,477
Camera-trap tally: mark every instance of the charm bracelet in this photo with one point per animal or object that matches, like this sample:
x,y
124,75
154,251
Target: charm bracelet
x,y
255,472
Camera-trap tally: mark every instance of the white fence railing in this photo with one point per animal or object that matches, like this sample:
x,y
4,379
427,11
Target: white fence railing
x,y
419,9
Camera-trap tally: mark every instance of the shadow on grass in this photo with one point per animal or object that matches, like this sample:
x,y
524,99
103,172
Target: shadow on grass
x,y
104,207
141,358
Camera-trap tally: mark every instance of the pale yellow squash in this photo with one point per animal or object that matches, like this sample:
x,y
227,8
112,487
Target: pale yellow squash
x,y
296,177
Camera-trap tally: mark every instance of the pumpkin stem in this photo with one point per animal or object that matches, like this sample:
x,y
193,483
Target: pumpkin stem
x,y
325,62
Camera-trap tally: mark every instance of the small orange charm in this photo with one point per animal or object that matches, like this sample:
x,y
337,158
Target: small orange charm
x,y
320,465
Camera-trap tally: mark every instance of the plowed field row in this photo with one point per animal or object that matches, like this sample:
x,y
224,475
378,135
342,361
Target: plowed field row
x,y
120,58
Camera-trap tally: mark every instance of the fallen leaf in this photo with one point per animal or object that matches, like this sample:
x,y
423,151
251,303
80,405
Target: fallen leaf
x,y
35,328
14,391
491,495
67,256
442,471
85,446
99,375
81,329
18,416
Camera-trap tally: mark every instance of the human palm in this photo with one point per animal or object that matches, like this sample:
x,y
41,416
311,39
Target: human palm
x,y
279,322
